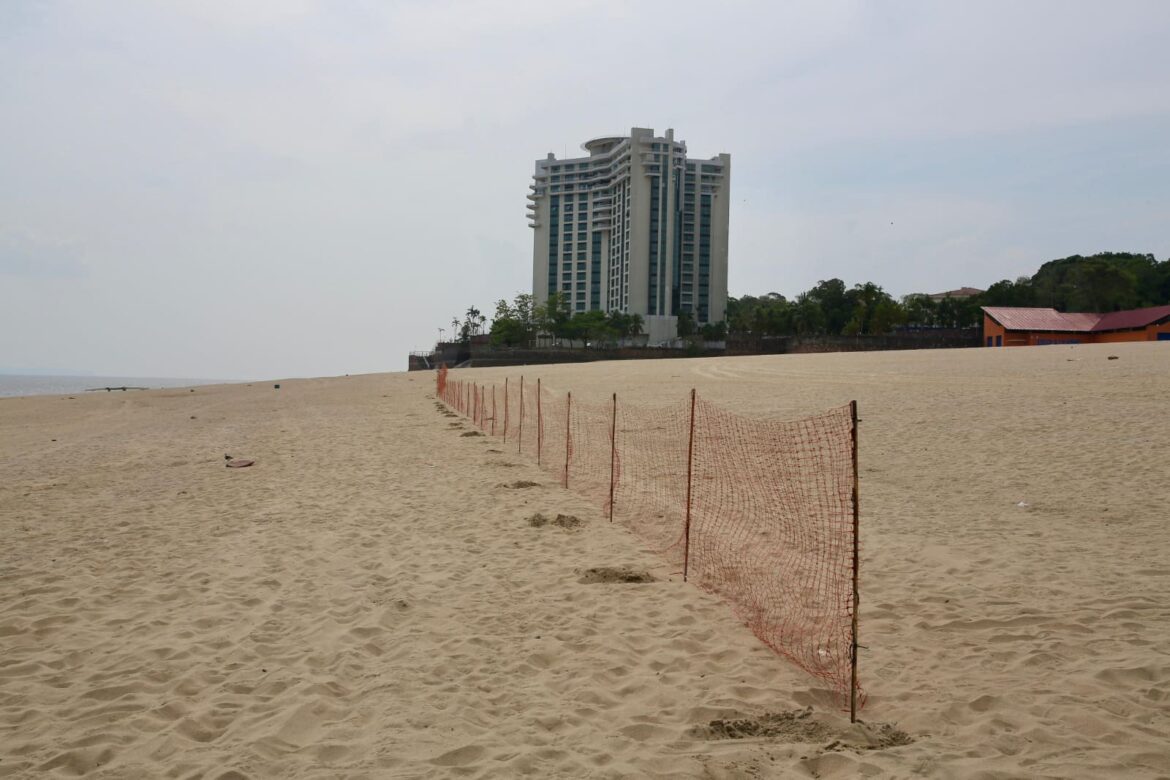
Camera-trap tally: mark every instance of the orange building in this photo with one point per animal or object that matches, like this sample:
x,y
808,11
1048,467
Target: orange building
x,y
1006,326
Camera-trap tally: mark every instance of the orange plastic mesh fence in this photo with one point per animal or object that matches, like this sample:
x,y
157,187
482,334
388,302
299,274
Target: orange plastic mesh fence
x,y
771,502
772,530
651,486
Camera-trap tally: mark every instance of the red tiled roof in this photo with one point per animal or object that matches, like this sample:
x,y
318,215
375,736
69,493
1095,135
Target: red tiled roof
x,y
1134,318
1017,318
962,292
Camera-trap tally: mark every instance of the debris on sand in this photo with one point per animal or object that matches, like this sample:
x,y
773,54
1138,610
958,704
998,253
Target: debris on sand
x,y
801,726
621,574
519,484
568,522
790,726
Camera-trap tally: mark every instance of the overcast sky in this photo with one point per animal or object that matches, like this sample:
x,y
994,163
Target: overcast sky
x,y
297,188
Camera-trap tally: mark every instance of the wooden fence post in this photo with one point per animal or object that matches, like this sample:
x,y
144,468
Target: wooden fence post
x,y
612,454
856,562
568,449
690,462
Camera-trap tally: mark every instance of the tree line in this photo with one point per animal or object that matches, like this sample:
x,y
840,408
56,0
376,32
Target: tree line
x,y
1104,282
520,322
1110,281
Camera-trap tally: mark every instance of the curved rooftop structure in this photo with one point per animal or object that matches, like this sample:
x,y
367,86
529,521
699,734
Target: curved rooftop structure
x,y
603,144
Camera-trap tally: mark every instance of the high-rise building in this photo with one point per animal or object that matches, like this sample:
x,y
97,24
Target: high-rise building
x,y
635,227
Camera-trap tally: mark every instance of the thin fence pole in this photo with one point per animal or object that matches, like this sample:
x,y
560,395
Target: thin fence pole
x,y
856,561
520,435
467,405
539,424
505,408
493,410
612,454
568,449
690,462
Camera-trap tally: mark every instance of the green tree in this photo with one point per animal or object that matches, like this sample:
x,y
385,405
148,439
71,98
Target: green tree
x,y
554,317
920,310
835,305
714,331
1009,293
808,319
887,315
592,325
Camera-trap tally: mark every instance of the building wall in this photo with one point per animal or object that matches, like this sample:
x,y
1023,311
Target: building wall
x,y
663,249
721,224
1114,337
1021,338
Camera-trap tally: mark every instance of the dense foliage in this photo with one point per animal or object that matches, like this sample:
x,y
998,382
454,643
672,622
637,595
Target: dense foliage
x,y
829,308
1110,281
1101,283
517,324
1105,282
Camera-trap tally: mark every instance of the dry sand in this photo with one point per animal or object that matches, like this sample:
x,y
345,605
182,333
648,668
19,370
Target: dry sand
x,y
369,601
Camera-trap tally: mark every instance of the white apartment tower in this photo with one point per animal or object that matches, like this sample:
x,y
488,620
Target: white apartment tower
x,y
635,227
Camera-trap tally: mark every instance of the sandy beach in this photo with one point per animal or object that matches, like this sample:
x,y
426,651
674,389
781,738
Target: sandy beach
x,y
370,599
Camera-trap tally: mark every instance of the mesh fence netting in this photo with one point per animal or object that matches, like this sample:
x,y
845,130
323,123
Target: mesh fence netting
x,y
758,511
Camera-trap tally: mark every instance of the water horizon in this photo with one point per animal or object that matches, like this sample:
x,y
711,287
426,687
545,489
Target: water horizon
x,y
16,385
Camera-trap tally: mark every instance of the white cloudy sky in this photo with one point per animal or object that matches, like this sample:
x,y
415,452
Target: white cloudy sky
x,y
288,187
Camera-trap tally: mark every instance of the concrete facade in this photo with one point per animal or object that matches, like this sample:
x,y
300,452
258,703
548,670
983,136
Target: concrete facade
x,y
635,227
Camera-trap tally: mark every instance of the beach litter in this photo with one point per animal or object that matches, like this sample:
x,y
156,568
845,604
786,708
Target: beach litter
x,y
614,574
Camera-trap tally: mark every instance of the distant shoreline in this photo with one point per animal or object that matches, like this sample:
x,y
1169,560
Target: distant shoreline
x,y
16,385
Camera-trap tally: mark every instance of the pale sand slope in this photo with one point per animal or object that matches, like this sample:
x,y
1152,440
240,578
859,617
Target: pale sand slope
x,y
367,601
